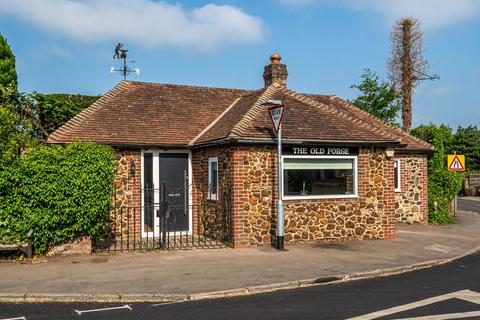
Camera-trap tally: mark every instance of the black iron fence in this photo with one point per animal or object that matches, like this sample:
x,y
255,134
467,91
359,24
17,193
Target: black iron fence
x,y
167,220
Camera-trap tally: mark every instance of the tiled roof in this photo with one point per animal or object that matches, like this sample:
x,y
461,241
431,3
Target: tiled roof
x,y
146,114
139,113
411,142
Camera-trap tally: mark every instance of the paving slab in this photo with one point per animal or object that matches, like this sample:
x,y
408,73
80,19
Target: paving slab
x,y
180,273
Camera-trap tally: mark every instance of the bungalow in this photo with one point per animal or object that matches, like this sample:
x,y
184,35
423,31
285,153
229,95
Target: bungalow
x,y
197,164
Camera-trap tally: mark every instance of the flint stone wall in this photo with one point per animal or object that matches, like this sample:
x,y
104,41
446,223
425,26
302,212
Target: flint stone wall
x,y
125,215
412,201
369,216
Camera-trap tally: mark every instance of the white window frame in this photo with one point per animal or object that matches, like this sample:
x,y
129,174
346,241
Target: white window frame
x,y
339,196
397,163
212,196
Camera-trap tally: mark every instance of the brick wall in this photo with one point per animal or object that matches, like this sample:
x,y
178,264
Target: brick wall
x,y
412,200
371,215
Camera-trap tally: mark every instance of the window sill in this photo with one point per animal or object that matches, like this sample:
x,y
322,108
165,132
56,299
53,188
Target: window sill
x,y
341,196
398,190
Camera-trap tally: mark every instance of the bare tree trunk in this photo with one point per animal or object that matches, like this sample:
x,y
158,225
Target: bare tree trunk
x,y
407,75
405,63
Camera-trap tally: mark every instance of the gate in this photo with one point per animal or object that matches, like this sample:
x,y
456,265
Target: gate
x,y
170,223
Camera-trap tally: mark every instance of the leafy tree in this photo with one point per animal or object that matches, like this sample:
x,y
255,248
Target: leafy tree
x,y
53,110
467,141
8,73
431,132
443,185
378,97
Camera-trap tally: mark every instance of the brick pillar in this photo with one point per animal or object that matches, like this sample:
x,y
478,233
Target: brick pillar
x,y
239,199
389,202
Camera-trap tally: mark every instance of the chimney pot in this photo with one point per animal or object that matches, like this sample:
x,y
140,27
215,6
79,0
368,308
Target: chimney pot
x,y
275,72
275,58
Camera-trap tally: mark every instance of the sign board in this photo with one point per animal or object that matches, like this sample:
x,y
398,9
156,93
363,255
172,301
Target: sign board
x,y
276,115
456,162
306,150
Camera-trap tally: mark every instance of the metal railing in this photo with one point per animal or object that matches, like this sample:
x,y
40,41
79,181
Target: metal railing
x,y
167,224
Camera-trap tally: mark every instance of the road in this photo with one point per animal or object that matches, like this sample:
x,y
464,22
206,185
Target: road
x,y
468,205
335,301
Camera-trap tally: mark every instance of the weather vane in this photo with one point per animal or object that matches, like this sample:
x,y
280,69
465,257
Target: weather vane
x,y
121,53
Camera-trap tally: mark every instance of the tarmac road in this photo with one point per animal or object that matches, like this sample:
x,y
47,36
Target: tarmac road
x,y
468,205
453,291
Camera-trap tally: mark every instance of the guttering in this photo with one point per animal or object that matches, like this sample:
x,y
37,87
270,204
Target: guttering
x,y
396,143
128,145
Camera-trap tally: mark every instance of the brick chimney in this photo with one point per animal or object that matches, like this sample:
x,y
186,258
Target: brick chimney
x,y
275,72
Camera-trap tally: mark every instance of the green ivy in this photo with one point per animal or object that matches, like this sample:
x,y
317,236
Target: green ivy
x,y
61,192
443,185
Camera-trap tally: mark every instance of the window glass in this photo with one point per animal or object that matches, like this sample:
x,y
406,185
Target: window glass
x,y
212,178
397,174
148,192
318,177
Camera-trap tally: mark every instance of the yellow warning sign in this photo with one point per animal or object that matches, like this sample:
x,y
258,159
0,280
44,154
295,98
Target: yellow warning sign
x,y
456,162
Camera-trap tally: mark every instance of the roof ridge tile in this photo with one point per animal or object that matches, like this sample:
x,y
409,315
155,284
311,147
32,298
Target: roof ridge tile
x,y
186,86
254,110
369,115
333,110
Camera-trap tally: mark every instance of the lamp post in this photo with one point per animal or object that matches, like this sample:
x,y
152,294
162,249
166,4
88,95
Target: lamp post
x,y
275,110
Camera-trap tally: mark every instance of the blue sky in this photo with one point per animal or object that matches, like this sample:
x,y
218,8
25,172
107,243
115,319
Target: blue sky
x,y
67,46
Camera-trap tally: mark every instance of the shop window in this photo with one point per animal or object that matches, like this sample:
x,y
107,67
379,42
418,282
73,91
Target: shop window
x,y
213,178
319,177
397,175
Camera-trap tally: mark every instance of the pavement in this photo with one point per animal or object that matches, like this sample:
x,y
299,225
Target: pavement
x,y
199,274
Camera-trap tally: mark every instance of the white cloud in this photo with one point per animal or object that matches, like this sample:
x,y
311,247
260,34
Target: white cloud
x,y
60,51
433,14
145,22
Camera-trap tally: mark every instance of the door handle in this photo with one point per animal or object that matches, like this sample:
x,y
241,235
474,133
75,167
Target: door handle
x,y
185,191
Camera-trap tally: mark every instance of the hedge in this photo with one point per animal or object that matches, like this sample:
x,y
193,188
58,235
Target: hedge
x,y
61,192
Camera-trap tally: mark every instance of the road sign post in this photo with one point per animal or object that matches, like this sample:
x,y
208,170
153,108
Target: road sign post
x,y
276,115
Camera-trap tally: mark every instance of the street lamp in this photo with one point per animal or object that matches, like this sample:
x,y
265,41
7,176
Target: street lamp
x,y
275,110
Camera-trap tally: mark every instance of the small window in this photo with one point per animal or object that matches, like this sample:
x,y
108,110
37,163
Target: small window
x,y
213,178
397,174
319,177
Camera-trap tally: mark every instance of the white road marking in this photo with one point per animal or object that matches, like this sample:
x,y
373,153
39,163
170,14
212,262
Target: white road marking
x,y
438,247
460,315
467,295
80,312
19,318
164,303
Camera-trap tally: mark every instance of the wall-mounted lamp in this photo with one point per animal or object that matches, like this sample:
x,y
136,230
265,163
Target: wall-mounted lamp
x,y
390,153
133,168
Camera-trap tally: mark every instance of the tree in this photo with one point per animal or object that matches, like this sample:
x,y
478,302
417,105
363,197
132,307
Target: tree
x,y
443,185
467,141
8,73
379,98
16,112
431,132
53,110
406,64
